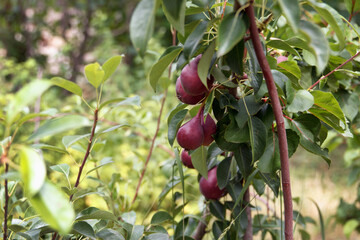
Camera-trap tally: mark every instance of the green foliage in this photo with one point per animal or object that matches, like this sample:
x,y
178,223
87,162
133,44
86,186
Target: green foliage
x,y
245,148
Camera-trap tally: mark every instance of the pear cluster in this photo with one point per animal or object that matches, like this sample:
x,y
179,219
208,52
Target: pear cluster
x,y
198,131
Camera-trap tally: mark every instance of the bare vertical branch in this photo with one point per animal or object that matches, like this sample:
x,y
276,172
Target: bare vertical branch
x,y
281,132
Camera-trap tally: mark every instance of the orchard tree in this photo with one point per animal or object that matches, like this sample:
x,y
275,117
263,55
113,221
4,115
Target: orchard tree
x,y
275,75
255,80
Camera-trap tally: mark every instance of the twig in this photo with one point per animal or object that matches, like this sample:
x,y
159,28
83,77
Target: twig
x,y
156,131
284,158
151,147
6,202
201,227
248,235
323,77
87,150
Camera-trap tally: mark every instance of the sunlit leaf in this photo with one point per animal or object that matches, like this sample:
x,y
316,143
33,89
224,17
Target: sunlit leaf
x,y
54,208
33,170
94,74
67,85
110,66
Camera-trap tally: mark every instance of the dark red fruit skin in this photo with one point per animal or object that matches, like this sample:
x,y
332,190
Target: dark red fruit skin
x,y
191,135
209,128
186,98
190,80
209,187
186,159
281,59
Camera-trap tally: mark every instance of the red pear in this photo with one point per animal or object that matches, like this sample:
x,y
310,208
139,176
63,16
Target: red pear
x,y
191,135
209,128
186,98
190,80
209,187
186,159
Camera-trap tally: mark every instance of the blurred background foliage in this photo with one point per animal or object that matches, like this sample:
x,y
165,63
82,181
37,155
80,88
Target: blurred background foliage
x,y
46,38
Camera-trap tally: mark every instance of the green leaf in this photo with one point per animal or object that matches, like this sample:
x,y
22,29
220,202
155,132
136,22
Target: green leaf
x,y
142,24
333,18
204,63
94,74
134,232
272,180
24,97
221,78
162,64
158,236
174,125
110,66
303,100
269,162
175,13
84,229
199,160
109,234
122,101
322,225
291,11
54,208
293,141
258,135
62,168
94,213
160,217
317,43
11,176
67,85
349,103
181,172
223,172
327,109
281,44
217,209
245,187
103,162
254,71
33,170
231,30
352,8
244,160
70,140
194,39
291,67
49,147
29,116
350,227
234,58
58,125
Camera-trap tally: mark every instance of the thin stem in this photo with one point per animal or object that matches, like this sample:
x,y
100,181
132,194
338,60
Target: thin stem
x,y
151,147
6,203
157,128
87,150
201,228
284,158
323,77
248,235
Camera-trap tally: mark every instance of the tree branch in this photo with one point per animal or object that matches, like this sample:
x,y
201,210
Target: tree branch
x,y
284,158
201,228
328,74
248,235
157,129
87,150
151,147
